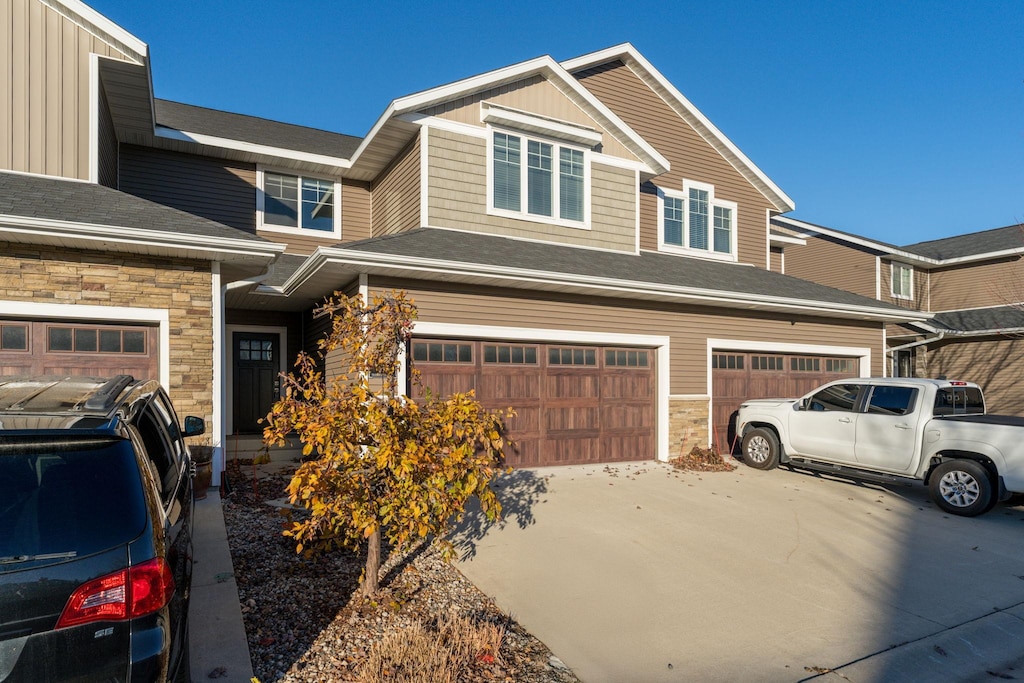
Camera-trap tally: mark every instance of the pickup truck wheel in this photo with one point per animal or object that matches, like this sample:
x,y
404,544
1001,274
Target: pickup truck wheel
x,y
962,487
761,449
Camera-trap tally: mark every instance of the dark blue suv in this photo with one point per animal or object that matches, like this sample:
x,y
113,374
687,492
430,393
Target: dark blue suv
x,y
95,531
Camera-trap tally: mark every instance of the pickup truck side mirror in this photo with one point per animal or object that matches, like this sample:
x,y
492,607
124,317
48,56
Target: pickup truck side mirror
x,y
801,404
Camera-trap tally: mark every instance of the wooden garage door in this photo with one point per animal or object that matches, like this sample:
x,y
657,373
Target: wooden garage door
x,y
738,375
574,404
62,348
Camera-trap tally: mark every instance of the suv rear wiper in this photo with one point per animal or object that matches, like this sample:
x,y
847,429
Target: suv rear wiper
x,y
18,559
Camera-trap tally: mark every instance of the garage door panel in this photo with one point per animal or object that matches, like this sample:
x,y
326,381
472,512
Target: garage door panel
x,y
507,386
627,386
572,385
626,417
571,419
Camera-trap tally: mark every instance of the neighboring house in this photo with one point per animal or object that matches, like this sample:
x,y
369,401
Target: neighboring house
x,y
581,242
973,285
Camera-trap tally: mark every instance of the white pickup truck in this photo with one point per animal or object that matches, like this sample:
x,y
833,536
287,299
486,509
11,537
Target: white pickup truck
x,y
893,429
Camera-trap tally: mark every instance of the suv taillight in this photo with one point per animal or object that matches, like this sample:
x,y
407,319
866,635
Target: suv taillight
x,y
129,593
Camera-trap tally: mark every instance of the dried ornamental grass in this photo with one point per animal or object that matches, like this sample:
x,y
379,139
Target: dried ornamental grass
x,y
442,654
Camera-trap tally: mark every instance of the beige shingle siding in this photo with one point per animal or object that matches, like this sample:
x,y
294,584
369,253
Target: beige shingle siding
x,y
534,95
223,191
691,157
834,263
395,194
457,198
686,326
993,283
44,78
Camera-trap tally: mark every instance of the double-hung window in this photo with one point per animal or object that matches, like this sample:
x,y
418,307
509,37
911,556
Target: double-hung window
x,y
694,220
902,281
298,203
537,178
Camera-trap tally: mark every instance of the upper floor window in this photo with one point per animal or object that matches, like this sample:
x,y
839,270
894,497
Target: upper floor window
x,y
902,281
538,179
297,203
694,220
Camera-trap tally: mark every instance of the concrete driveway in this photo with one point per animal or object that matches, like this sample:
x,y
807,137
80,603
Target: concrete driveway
x,y
638,573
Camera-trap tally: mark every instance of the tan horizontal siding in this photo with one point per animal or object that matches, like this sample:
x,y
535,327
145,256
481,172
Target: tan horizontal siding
x,y
44,83
776,263
994,363
457,198
994,283
834,263
395,194
355,211
534,95
691,157
223,191
920,297
688,327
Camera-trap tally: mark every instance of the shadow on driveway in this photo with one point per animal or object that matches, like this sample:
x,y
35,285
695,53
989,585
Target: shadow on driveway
x,y
518,491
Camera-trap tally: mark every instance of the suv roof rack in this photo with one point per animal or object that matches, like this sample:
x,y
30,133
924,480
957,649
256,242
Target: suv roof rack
x,y
105,397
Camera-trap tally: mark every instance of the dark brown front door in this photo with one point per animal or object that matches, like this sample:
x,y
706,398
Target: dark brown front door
x,y
574,404
737,376
256,367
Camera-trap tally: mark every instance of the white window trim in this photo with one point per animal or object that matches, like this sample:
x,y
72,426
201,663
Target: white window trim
x,y
523,213
684,194
308,232
893,280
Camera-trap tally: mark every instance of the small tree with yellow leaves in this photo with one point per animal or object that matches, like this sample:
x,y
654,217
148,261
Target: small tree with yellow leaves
x,y
380,462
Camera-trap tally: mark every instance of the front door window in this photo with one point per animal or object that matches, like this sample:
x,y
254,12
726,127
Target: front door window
x,y
256,385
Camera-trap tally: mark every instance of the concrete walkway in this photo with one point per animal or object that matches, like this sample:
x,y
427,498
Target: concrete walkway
x,y
218,644
639,573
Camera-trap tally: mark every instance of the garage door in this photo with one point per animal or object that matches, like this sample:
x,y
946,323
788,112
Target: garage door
x,y
737,376
62,348
574,404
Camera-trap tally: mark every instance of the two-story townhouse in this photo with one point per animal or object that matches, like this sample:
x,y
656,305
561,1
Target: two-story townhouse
x,y
972,284
582,244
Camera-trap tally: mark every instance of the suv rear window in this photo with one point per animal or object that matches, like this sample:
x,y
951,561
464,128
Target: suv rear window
x,y
64,498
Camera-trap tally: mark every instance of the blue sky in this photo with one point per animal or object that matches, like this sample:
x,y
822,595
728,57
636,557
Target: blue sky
x,y
900,121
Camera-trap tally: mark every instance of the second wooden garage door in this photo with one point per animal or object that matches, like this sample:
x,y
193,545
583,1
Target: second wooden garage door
x,y
574,404
737,376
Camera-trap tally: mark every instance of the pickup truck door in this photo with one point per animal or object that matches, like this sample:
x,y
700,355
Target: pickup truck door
x,y
825,427
887,432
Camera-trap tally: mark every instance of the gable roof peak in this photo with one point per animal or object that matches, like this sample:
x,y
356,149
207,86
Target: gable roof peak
x,y
655,80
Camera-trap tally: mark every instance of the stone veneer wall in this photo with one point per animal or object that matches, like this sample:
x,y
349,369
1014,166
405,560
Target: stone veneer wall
x,y
184,289
687,424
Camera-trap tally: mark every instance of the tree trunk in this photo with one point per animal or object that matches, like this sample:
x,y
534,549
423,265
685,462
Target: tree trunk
x,y
371,573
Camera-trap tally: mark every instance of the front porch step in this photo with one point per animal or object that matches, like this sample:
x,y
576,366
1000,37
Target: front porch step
x,y
251,446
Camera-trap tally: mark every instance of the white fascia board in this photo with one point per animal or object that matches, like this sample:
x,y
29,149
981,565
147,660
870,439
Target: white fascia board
x,y
786,239
545,66
250,147
370,260
105,234
628,54
102,27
